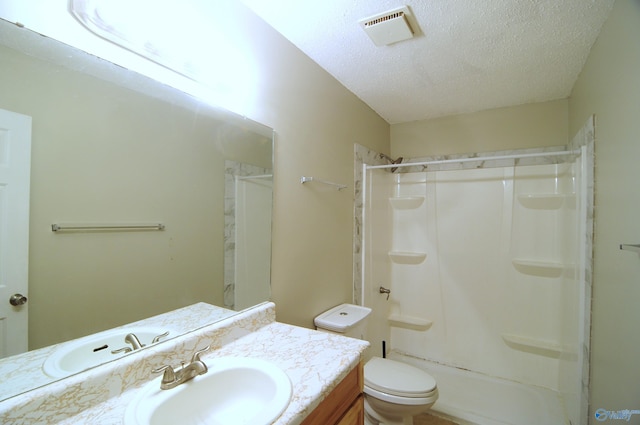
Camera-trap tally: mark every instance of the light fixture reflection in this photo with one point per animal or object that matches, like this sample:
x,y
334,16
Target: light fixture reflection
x,y
176,35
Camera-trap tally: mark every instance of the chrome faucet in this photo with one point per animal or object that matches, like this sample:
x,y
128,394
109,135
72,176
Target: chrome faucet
x,y
129,339
171,377
134,341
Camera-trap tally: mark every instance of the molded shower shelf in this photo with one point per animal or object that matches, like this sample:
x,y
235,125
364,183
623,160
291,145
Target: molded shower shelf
x,y
400,257
406,202
538,268
533,345
550,201
409,322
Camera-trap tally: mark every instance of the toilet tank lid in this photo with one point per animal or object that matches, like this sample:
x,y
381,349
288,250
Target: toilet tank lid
x,y
342,317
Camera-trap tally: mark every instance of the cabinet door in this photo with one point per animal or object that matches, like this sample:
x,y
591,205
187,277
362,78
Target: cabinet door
x,y
355,414
337,404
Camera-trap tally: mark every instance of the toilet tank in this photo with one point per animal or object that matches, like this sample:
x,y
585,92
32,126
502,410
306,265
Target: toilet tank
x,y
346,319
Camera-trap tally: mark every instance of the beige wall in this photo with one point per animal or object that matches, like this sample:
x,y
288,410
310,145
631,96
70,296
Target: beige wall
x,y
517,127
609,86
316,121
104,154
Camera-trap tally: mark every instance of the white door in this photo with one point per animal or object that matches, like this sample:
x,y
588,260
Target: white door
x,y
15,172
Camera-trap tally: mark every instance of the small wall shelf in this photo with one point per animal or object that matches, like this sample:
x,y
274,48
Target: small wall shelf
x,y
549,201
533,345
402,257
538,268
409,322
406,202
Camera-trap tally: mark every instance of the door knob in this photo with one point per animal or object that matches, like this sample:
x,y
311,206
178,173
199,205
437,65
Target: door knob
x,y
17,299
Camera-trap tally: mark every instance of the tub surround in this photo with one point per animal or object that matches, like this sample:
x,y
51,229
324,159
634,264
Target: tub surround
x,y
537,257
315,363
23,372
364,156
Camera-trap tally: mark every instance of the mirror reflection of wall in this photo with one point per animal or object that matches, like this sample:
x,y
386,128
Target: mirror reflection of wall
x,y
104,153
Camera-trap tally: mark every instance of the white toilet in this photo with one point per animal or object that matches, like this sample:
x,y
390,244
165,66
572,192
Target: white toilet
x,y
394,392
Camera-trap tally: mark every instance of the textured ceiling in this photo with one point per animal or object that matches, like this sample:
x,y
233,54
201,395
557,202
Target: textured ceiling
x,y
467,55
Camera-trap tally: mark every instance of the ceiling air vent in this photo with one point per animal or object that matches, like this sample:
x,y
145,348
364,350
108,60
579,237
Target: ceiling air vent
x,y
389,27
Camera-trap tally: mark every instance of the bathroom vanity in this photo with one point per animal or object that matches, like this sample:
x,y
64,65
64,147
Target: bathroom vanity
x,y
344,405
324,370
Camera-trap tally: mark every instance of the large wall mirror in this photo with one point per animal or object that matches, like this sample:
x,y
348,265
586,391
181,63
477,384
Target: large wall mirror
x,y
113,147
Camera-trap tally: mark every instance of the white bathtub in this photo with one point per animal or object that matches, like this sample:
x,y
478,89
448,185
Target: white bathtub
x,y
471,398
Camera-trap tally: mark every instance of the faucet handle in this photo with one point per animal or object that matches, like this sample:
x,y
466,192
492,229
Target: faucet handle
x,y
122,350
169,374
196,355
158,337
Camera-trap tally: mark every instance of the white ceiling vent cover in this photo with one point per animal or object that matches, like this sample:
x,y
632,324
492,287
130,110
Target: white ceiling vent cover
x,y
389,27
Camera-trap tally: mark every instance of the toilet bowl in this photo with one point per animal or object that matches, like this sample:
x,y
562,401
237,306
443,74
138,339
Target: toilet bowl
x,y
394,392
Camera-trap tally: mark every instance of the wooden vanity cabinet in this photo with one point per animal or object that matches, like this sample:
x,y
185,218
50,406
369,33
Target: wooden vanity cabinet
x,y
355,414
344,405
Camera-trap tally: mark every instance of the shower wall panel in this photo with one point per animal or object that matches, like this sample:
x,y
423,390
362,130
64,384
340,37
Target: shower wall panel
x,y
491,293
543,256
376,242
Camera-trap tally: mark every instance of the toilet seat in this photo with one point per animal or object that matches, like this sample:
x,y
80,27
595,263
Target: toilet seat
x,y
407,401
392,378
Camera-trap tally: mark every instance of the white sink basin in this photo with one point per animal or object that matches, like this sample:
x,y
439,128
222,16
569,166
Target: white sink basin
x,y
235,391
83,353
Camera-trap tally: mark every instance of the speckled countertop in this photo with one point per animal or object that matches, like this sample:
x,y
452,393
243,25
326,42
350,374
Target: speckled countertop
x,y
24,372
315,363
